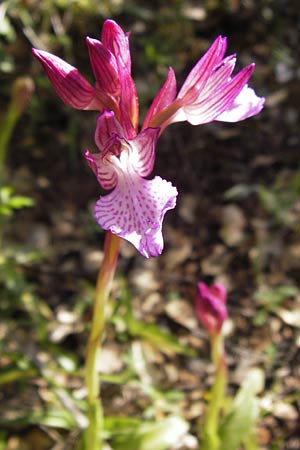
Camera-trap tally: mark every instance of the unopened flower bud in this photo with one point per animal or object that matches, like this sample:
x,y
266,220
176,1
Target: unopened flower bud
x,y
22,90
211,306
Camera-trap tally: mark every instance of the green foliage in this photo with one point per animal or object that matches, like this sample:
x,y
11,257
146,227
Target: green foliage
x,y
3,440
238,425
163,340
9,202
12,279
19,371
279,200
152,333
50,417
240,191
270,300
139,435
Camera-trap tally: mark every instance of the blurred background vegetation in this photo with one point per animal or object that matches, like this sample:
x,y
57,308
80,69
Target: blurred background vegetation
x,y
237,222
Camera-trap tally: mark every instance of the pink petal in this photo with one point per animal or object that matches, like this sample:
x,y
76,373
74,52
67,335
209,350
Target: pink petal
x,y
217,102
219,77
117,153
211,306
135,210
106,128
163,99
108,137
117,42
143,151
104,67
129,107
219,291
69,84
105,171
245,105
200,73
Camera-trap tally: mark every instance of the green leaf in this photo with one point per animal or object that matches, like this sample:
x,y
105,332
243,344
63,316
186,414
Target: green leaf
x,y
165,341
10,202
160,435
276,295
3,435
240,191
239,422
119,426
12,374
55,417
268,199
118,378
20,201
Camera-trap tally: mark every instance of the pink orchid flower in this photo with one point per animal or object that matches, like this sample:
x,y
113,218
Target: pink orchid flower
x,y
209,93
135,207
211,307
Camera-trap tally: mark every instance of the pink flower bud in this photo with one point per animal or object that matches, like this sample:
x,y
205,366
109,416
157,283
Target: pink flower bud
x,y
211,306
22,90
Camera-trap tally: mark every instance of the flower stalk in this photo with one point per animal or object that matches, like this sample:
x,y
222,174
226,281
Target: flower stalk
x,y
21,92
93,440
212,312
211,439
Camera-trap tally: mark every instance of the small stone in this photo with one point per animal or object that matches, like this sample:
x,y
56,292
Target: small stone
x,y
183,313
285,411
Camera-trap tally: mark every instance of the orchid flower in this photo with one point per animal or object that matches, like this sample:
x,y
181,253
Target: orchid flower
x,y
209,93
135,207
211,306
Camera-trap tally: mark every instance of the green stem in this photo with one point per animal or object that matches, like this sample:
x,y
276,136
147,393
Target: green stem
x,y
21,91
211,439
6,130
93,440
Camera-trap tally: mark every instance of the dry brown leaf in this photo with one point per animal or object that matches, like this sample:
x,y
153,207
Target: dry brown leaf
x,y
183,313
233,225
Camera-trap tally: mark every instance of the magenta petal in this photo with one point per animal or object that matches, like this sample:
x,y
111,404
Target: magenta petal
x,y
117,42
217,102
104,67
108,139
163,99
246,104
200,73
211,306
105,171
135,209
129,107
119,154
69,84
106,128
143,151
219,78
